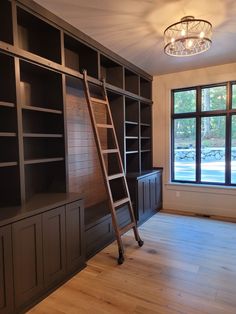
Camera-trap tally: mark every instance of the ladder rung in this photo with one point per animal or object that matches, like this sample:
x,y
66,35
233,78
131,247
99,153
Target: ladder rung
x,y
106,126
109,151
126,228
115,176
98,100
121,202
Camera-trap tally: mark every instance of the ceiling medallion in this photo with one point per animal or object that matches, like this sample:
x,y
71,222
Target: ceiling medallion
x,y
188,37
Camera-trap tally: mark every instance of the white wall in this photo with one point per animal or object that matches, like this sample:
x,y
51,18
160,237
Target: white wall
x,y
200,199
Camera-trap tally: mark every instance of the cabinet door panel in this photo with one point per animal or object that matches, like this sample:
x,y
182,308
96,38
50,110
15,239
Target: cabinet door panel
x,y
158,190
148,195
6,280
27,259
98,236
141,199
153,192
54,245
75,236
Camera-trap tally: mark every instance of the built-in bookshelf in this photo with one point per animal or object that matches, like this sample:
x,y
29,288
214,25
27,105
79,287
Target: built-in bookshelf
x,y
32,139
6,34
47,144
41,101
111,71
79,56
37,36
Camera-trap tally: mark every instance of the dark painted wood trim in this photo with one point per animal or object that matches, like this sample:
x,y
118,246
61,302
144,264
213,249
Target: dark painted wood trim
x,y
20,131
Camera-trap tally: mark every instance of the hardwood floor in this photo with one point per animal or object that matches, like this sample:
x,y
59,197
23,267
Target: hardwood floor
x,y
187,265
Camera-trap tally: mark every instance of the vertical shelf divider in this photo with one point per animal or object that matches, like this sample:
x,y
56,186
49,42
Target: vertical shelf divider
x,y
14,24
20,131
65,132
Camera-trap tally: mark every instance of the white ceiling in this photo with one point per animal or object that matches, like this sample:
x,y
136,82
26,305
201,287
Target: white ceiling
x,y
134,28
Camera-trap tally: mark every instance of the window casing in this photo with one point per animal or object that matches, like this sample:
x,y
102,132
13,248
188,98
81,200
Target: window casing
x,y
203,139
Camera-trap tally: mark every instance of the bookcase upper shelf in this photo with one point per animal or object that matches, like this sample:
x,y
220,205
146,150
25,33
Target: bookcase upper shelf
x,y
37,36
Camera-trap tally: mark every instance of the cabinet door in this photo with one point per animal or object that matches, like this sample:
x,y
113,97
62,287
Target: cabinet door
x,y
141,199
54,245
6,280
148,194
75,250
153,192
158,189
27,259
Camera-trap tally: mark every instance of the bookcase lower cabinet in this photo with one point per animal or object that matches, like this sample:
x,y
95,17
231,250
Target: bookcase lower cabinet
x,y
54,246
99,231
146,193
6,282
41,251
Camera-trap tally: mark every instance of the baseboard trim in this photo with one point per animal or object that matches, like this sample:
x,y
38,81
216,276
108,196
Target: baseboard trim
x,y
194,214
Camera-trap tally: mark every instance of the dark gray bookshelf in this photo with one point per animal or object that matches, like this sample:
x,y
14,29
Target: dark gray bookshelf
x,y
79,56
41,58
131,82
37,36
112,72
145,88
6,33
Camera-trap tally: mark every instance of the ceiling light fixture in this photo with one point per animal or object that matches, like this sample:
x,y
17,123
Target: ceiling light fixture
x,y
188,37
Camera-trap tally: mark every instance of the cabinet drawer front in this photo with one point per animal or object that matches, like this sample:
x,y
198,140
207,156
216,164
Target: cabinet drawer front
x,y
27,259
54,245
75,236
98,236
6,280
123,216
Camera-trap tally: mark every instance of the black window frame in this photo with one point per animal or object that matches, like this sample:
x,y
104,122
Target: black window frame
x,y
228,112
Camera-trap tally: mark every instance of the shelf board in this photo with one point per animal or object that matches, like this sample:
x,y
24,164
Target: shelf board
x,y
145,137
8,164
145,124
131,122
42,135
7,134
42,109
131,137
43,160
7,104
132,152
145,150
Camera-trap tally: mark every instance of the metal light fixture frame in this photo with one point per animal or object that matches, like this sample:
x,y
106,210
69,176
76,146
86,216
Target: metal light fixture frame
x,y
188,37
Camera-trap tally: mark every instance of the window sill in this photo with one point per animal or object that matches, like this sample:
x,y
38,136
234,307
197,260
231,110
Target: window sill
x,y
201,188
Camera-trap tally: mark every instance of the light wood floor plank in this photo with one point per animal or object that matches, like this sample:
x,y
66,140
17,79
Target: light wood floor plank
x,y
186,266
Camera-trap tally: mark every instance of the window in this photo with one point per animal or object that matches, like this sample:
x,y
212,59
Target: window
x,y
204,134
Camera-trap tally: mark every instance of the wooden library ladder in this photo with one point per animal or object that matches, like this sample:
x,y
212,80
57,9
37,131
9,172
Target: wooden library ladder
x,y
103,155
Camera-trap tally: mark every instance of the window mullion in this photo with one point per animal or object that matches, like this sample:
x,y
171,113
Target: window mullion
x,y
228,136
198,135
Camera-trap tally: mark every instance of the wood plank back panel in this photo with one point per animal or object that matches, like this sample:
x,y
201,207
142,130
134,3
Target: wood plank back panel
x,y
85,176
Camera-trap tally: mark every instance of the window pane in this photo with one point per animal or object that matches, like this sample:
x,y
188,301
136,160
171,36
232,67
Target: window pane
x,y
234,96
233,151
214,98
185,101
185,149
213,149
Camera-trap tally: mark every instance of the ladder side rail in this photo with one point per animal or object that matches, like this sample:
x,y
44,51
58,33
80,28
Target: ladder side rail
x,y
104,172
